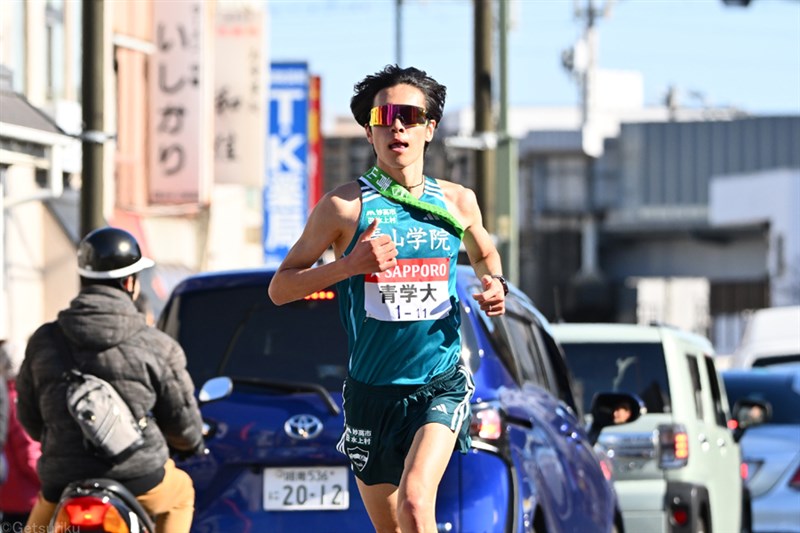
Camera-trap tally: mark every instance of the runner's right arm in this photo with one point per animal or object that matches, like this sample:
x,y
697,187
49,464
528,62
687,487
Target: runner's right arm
x,y
332,222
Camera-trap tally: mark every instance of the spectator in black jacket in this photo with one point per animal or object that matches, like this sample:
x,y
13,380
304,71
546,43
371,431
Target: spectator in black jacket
x,y
109,338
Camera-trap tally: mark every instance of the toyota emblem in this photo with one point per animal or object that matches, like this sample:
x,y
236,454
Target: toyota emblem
x,y
303,427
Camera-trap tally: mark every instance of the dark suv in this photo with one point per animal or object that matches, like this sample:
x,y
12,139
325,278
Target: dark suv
x,y
273,464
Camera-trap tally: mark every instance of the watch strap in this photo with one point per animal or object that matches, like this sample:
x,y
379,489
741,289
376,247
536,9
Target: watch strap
x,y
503,281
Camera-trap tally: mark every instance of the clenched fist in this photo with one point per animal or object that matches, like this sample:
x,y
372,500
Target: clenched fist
x,y
372,253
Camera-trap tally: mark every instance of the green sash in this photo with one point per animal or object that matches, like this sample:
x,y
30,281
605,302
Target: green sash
x,y
385,185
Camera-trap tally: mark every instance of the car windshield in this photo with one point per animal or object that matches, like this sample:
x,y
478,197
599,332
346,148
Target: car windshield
x,y
636,368
781,391
239,333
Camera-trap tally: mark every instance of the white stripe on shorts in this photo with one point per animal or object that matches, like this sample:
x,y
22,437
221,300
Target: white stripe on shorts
x,y
340,444
462,409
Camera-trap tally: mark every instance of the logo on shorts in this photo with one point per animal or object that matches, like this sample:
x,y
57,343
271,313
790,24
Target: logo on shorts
x,y
439,407
358,456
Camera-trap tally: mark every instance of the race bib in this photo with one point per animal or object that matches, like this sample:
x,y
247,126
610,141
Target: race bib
x,y
416,289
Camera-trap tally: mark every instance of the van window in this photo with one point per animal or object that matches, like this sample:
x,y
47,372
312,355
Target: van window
x,y
636,368
719,409
694,372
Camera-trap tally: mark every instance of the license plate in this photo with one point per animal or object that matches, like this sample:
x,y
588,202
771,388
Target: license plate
x,y
306,489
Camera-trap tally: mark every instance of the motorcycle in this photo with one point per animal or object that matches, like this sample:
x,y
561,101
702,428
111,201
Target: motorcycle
x,y
100,505
104,505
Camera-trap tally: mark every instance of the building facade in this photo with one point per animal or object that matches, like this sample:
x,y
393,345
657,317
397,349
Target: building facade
x,y
662,227
153,110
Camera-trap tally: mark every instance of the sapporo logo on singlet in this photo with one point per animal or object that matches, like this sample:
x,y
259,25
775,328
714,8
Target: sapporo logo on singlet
x,y
416,289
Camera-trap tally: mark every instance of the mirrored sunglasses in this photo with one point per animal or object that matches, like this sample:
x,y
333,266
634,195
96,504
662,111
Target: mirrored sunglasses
x,y
409,115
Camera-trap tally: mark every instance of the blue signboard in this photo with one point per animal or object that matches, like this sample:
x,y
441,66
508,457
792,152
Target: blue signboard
x,y
286,183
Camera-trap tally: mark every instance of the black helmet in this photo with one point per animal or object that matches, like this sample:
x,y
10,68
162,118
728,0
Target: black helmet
x,y
110,253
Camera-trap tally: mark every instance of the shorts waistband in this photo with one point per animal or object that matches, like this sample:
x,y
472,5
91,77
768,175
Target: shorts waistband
x,y
402,390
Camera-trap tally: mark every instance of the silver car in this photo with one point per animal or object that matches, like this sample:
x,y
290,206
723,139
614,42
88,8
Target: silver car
x,y
771,450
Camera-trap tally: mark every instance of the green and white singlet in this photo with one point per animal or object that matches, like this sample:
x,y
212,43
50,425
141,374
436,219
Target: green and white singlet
x,y
403,325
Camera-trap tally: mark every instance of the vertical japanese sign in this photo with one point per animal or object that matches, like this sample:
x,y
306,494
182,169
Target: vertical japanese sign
x,y
286,188
179,112
314,142
239,93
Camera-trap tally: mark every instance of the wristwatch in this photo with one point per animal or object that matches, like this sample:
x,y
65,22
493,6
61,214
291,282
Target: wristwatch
x,y
503,281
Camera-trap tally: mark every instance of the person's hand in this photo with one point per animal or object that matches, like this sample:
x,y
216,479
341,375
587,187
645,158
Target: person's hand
x,y
372,253
493,299
182,455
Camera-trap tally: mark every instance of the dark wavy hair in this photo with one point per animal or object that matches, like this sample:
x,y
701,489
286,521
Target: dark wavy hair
x,y
364,91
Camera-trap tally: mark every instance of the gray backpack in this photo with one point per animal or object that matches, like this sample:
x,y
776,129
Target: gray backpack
x,y
108,425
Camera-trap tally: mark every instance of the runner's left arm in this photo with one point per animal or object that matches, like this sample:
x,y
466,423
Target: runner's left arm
x,y
483,254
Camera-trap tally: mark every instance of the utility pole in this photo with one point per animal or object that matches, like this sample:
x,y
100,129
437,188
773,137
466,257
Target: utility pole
x,y
484,159
581,61
507,183
92,105
590,294
398,32
591,141
589,224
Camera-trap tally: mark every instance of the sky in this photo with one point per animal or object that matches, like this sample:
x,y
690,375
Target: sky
x,y
744,57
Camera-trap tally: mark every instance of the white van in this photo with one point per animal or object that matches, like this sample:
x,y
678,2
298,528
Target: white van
x,y
678,467
772,336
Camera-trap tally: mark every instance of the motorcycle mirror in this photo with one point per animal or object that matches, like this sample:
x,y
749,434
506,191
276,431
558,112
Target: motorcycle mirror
x,y
215,389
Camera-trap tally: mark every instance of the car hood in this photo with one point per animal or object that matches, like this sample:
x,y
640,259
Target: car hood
x,y
770,451
254,428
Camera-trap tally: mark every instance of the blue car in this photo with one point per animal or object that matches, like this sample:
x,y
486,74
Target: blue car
x,y
273,464
771,450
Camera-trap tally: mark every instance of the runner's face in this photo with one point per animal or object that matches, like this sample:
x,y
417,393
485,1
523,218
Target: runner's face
x,y
400,145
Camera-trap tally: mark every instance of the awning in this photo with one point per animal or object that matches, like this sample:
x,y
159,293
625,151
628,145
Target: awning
x,y
16,110
24,128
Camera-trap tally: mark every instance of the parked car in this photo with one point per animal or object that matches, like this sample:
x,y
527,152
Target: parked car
x,y
771,337
273,465
678,467
771,451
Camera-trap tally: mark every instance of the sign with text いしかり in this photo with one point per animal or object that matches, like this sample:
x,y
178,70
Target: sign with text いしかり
x,y
179,157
